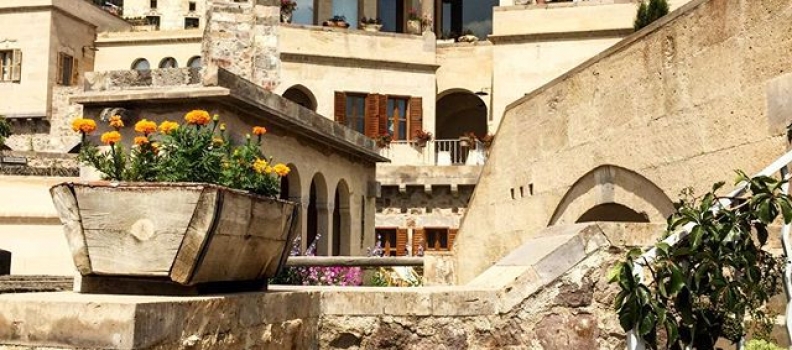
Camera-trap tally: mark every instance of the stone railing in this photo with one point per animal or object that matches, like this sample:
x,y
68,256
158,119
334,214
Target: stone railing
x,y
142,79
38,164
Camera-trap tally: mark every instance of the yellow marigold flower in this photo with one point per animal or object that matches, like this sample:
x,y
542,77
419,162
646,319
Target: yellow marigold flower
x,y
259,130
197,117
146,127
155,147
85,126
116,122
222,127
217,141
167,127
216,117
141,140
281,169
260,166
111,138
268,169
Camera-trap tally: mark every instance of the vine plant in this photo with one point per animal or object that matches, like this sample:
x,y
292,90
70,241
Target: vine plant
x,y
704,287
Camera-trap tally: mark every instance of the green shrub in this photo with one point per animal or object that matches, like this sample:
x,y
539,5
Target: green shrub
x,y
5,129
758,344
648,13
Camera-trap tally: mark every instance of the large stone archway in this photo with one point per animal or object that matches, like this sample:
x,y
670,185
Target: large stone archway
x,y
317,214
458,112
612,193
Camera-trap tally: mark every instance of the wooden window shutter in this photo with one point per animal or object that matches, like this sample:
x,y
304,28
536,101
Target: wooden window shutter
x,y
16,66
416,117
452,234
59,77
372,116
401,242
383,115
75,71
419,240
340,108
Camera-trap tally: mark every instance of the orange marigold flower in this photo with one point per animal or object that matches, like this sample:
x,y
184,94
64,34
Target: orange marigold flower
x,y
281,169
168,127
85,126
111,138
198,117
141,140
259,130
260,166
116,122
146,127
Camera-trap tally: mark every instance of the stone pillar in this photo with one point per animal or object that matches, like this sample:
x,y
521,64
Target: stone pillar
x,y
241,36
324,224
302,227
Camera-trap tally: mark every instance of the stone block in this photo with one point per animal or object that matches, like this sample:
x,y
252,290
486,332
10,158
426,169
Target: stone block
x,y
460,302
352,302
408,303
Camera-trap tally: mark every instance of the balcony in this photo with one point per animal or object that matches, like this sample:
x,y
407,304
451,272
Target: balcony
x,y
436,153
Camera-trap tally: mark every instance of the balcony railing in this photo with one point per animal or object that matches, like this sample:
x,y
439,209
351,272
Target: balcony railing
x,y
436,152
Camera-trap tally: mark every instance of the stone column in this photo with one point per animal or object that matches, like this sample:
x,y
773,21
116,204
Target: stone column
x,y
241,36
324,225
302,221
428,9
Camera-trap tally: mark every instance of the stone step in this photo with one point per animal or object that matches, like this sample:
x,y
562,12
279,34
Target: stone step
x,y
34,283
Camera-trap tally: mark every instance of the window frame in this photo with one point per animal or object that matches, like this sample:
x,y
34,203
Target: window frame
x,y
138,61
192,6
66,72
387,249
153,4
437,247
197,22
13,66
349,122
395,121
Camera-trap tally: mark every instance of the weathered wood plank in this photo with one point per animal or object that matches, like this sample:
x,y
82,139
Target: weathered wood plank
x,y
195,239
66,204
135,231
250,236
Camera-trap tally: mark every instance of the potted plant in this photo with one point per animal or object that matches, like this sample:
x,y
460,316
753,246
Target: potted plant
x,y
337,22
422,137
182,206
413,22
383,140
487,140
287,9
371,24
468,37
5,130
467,139
426,22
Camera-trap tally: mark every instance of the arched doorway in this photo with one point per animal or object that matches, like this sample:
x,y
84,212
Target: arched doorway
x,y
613,212
460,112
317,226
342,235
302,96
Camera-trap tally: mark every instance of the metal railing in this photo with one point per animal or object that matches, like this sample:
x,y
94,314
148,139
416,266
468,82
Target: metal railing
x,y
781,165
436,152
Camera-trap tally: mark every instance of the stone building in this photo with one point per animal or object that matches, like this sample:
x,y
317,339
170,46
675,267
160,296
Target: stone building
x,y
389,82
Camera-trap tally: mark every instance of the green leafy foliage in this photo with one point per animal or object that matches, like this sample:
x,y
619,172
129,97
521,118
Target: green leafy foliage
x,y
758,344
648,13
704,287
5,129
199,151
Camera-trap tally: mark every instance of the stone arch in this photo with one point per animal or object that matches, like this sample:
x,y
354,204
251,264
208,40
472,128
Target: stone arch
x,y
342,221
318,220
300,95
169,62
459,111
291,187
608,191
194,62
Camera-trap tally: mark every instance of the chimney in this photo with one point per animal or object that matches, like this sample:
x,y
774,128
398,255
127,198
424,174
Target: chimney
x,y
241,36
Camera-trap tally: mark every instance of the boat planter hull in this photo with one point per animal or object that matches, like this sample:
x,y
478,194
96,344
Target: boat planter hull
x,y
187,234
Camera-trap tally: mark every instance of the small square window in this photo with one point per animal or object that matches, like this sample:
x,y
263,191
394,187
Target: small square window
x,y
191,23
153,4
153,21
191,6
67,70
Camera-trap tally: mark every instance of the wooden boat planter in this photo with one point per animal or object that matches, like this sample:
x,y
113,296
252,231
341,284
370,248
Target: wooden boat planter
x,y
180,234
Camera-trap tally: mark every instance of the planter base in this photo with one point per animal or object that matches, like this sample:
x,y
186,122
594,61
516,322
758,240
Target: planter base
x,y
160,286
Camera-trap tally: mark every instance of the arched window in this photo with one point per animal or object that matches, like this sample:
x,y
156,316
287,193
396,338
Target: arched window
x,y
141,64
194,62
168,62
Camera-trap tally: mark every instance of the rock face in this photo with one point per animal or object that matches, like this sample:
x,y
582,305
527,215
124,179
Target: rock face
x,y
241,36
573,312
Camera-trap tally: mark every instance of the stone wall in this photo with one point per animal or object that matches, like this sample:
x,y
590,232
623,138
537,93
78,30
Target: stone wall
x,y
574,312
681,103
242,37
